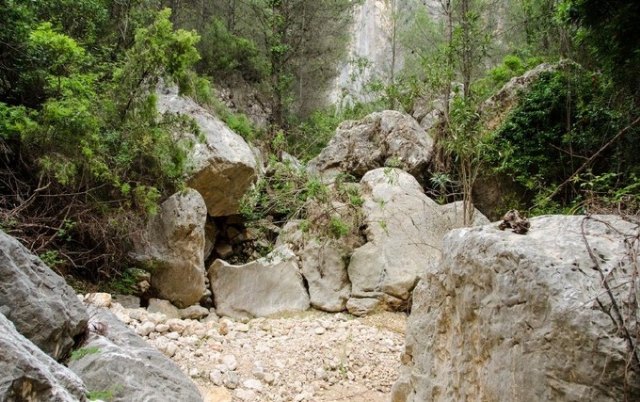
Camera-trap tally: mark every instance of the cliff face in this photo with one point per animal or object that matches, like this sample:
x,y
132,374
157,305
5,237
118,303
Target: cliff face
x,y
375,51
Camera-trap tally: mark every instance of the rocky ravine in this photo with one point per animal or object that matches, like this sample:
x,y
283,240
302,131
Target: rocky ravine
x,y
311,356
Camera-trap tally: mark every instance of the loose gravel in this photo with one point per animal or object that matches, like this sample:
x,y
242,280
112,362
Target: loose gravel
x,y
311,356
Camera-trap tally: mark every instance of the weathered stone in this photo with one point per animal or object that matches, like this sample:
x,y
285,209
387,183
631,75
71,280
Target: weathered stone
x,y
223,166
324,266
510,317
404,229
127,301
163,307
194,312
38,301
98,299
454,214
387,138
264,287
173,247
363,305
127,367
28,374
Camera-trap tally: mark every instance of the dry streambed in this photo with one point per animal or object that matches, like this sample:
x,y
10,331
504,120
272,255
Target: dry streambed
x,y
305,357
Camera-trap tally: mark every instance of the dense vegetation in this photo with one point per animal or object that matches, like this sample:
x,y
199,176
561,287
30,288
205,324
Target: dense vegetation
x,y
84,156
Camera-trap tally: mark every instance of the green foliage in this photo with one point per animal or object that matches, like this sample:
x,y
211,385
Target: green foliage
x,y
224,53
338,227
281,193
564,118
100,395
307,138
78,123
158,52
124,284
83,352
51,258
610,32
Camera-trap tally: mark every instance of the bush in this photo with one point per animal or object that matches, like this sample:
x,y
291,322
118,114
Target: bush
x,y
564,119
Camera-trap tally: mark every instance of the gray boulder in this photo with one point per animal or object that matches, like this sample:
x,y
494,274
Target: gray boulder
x,y
173,247
404,231
508,317
28,374
323,264
121,364
38,301
223,165
268,286
323,257
387,138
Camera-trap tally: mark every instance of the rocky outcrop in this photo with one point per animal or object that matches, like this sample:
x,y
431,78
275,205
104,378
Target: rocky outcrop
x,y
39,303
122,365
173,248
494,110
28,374
387,138
223,165
270,285
508,317
404,231
324,254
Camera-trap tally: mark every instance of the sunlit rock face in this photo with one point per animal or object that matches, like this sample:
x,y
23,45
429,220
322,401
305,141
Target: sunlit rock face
x,y
510,317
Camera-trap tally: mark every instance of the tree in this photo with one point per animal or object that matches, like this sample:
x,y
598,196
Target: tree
x,y
611,31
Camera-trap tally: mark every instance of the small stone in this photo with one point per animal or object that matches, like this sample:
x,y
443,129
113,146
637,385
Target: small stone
x,y
246,395
127,301
157,318
173,335
171,349
194,312
319,331
164,307
162,328
252,384
146,328
98,299
231,379
216,377
176,325
230,361
194,372
139,314
269,378
242,327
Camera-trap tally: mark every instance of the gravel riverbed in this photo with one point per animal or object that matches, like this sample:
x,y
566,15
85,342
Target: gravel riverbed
x,y
311,356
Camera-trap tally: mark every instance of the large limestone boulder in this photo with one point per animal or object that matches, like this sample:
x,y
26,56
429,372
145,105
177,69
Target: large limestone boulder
x,y
387,138
404,231
28,374
508,317
323,251
173,247
268,286
123,365
37,300
323,264
223,165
